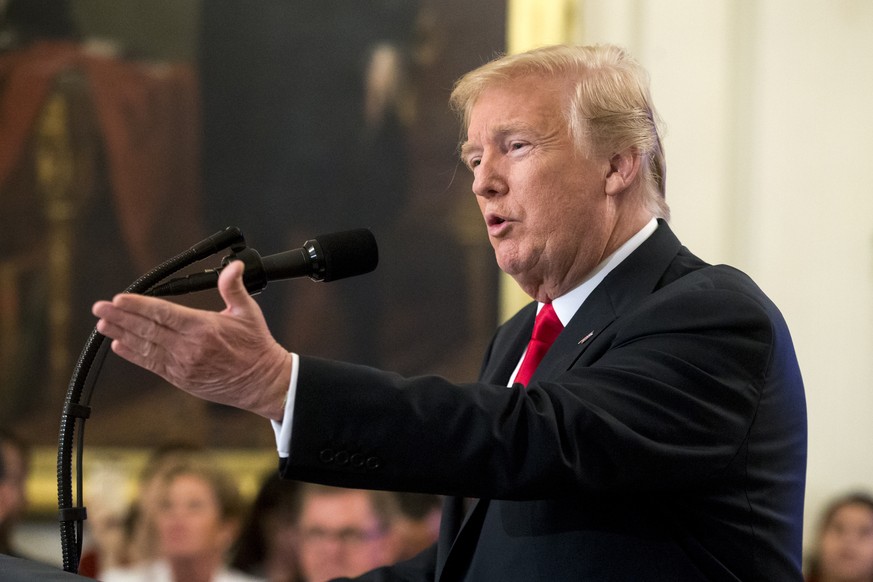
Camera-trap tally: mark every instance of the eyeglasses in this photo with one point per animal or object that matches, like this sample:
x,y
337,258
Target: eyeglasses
x,y
348,536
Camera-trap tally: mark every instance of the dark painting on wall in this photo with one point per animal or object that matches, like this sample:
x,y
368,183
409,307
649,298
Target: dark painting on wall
x,y
289,119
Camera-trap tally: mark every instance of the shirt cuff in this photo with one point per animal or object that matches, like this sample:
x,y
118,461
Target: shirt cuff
x,y
283,428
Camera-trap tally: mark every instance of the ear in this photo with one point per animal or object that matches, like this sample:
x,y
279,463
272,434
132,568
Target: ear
x,y
623,169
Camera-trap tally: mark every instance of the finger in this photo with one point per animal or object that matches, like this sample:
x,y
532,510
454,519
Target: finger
x,y
140,314
116,324
148,331
127,315
143,341
145,356
233,289
113,322
134,338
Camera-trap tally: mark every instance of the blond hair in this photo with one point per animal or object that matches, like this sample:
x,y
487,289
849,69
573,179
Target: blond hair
x,y
608,110
231,505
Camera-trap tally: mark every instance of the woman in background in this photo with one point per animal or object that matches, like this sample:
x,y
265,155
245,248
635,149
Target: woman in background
x,y
843,550
196,522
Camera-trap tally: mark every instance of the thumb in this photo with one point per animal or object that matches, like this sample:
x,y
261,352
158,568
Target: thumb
x,y
232,288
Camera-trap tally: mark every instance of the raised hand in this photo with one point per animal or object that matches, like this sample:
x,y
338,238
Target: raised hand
x,y
229,357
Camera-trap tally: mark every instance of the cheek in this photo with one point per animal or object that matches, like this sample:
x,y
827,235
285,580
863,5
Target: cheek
x,y
207,526
867,551
557,202
365,558
830,545
164,524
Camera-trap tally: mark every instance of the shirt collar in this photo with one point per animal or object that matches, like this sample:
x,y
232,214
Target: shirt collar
x,y
568,304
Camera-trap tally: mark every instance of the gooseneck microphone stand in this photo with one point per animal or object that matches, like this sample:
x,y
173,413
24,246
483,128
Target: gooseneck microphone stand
x,y
76,403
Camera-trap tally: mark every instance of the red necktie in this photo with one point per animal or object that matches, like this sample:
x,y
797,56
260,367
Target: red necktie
x,y
546,328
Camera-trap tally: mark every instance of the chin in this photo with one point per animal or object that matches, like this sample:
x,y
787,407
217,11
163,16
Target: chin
x,y
516,268
510,264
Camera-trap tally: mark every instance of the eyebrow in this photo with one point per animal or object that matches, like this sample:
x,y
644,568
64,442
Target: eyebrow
x,y
466,149
499,133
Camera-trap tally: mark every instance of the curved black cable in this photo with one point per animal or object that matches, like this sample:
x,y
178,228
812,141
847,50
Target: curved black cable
x,y
72,517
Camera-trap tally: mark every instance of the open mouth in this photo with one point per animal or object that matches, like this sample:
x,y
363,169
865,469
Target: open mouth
x,y
494,220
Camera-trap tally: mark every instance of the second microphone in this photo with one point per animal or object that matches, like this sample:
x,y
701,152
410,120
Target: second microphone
x,y
327,257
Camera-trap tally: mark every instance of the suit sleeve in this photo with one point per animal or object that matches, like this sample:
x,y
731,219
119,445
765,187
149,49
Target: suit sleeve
x,y
665,397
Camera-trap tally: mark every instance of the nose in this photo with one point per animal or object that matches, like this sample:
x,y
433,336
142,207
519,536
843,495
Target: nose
x,y
489,179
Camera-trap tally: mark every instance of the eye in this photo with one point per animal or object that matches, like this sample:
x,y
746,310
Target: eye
x,y
473,162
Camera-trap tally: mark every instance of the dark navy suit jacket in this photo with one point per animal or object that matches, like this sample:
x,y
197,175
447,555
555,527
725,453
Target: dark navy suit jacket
x,y
663,437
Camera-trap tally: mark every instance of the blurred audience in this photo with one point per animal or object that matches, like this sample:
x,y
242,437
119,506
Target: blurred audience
x,y
268,543
105,539
14,466
187,516
344,532
196,520
122,535
843,546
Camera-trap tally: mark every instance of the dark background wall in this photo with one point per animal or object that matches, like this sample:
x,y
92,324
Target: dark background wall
x,y
314,116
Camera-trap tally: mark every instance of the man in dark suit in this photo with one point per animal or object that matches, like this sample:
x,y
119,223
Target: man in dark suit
x,y
661,437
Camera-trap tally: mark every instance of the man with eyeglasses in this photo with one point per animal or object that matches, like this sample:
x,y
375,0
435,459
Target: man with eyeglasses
x,y
344,532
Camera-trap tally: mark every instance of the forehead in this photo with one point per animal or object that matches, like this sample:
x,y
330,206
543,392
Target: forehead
x,y
187,484
525,101
335,508
853,512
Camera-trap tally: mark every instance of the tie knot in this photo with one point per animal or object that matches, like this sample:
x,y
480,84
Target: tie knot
x,y
547,325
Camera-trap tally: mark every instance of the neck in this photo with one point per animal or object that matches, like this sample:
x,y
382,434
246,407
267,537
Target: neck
x,y
621,232
625,228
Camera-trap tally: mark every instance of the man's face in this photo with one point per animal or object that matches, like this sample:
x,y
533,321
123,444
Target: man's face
x,y
340,536
545,207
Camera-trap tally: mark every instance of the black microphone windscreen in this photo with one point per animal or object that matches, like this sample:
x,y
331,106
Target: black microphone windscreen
x,y
349,253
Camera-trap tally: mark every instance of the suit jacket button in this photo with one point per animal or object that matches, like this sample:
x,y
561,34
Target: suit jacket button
x,y
326,456
357,460
341,458
374,462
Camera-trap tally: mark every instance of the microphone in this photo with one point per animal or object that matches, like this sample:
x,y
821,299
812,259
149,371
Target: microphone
x,y
325,258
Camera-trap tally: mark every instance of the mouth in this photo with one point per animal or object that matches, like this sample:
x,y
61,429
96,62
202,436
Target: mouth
x,y
494,220
497,225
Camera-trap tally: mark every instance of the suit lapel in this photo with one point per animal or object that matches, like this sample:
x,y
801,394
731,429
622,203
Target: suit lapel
x,y
463,545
